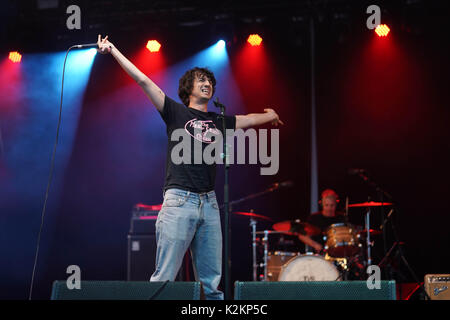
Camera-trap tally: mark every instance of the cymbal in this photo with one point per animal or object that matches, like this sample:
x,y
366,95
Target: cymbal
x,y
296,226
370,204
373,232
253,215
295,234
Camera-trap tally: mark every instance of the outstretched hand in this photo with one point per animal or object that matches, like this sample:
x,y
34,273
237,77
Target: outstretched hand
x,y
104,46
275,116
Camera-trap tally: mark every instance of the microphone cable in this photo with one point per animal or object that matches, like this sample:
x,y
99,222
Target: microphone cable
x,y
52,165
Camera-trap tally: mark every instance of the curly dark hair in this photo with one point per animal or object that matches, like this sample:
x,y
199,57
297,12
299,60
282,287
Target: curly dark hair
x,y
186,83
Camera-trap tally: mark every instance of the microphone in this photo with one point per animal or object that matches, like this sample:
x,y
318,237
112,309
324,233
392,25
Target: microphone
x,y
86,45
353,171
218,104
284,184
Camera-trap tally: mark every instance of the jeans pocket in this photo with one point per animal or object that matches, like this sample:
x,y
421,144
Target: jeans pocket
x,y
214,204
172,200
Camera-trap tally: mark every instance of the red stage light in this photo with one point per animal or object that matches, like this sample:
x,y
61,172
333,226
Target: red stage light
x,y
382,30
254,39
153,46
15,57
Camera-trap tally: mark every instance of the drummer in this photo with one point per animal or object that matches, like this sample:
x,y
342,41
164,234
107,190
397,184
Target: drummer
x,y
323,219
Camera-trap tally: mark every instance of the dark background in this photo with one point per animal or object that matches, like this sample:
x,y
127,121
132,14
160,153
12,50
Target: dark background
x,y
382,105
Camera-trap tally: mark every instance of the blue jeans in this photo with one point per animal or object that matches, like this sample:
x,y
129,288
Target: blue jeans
x,y
190,220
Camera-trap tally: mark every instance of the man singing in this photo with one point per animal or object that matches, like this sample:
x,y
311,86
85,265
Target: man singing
x,y
189,217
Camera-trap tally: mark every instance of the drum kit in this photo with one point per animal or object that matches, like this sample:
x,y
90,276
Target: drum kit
x,y
345,255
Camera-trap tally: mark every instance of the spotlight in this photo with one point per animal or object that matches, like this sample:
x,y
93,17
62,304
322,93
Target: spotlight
x,y
15,57
382,30
153,46
254,40
221,43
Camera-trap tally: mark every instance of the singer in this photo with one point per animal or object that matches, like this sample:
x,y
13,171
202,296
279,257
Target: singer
x,y
189,217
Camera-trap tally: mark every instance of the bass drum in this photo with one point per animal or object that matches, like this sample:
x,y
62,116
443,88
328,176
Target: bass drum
x,y
309,268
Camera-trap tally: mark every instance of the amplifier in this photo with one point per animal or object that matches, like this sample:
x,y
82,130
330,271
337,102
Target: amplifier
x,y
141,249
437,286
141,255
143,219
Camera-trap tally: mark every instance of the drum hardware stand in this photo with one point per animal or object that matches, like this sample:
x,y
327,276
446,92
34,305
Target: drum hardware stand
x,y
345,266
265,242
346,210
384,261
369,244
398,245
255,265
266,252
253,223
388,271
363,174
342,264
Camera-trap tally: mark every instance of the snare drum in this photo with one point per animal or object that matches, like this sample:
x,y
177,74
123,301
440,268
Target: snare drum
x,y
309,268
341,240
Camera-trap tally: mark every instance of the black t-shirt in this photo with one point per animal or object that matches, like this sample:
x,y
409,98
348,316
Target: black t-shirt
x,y
319,220
196,125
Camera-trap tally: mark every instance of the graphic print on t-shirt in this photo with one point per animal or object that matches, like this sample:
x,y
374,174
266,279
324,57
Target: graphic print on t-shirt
x,y
202,130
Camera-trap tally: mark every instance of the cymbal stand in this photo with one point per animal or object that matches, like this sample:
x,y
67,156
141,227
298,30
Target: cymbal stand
x,y
255,265
266,252
369,245
364,175
346,210
398,246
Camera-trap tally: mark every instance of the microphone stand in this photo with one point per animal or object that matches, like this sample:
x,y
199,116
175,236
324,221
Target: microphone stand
x,y
226,205
362,174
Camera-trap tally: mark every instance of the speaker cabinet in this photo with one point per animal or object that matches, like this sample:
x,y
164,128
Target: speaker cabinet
x,y
141,256
128,290
313,290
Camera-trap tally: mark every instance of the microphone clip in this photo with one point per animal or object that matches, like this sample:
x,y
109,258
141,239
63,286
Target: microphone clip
x,y
218,104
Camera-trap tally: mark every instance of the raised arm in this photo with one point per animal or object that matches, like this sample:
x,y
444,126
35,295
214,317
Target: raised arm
x,y
153,92
256,119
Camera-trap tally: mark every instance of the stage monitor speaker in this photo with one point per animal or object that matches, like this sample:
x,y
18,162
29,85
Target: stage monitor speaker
x,y
128,290
437,286
313,290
